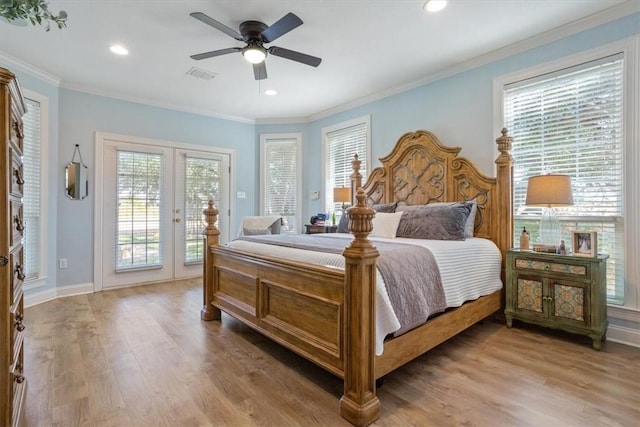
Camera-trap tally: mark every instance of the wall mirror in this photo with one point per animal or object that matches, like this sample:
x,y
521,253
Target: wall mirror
x,y
76,182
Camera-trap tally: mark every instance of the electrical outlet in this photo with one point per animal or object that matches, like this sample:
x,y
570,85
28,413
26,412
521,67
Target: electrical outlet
x,y
63,263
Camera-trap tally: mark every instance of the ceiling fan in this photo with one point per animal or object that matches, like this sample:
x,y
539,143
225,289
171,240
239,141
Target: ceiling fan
x,y
255,34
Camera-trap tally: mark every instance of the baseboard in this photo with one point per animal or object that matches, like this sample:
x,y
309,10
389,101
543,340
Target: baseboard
x,y
38,297
615,333
623,335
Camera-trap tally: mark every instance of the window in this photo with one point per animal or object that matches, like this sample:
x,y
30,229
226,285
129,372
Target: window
x,y
571,121
341,143
202,181
139,182
33,201
280,192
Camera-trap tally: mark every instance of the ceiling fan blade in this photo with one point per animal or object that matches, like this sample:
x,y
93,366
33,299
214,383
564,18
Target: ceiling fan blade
x,y
295,56
213,53
260,71
217,25
281,27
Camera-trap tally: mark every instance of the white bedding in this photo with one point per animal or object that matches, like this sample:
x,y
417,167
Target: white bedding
x,y
469,269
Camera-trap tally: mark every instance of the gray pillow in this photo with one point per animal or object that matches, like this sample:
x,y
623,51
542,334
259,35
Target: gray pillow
x,y
386,207
469,226
343,225
436,221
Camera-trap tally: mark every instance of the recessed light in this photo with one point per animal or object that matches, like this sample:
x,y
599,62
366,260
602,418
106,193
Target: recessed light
x,y
270,92
435,5
118,49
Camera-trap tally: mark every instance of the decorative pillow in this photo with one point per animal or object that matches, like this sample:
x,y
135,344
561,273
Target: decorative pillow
x,y
471,219
386,207
255,231
385,224
436,221
343,224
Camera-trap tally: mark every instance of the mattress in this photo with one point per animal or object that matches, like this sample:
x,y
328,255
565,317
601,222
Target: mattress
x,y
469,269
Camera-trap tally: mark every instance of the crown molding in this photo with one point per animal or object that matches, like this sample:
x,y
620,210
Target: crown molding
x,y
150,102
620,11
13,62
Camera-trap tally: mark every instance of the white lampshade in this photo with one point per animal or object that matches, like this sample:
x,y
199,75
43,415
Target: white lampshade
x,y
254,54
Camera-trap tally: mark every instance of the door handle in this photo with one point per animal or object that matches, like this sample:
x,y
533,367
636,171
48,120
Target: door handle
x,y
177,220
3,260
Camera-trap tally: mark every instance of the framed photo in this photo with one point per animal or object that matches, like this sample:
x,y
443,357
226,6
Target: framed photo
x,y
585,243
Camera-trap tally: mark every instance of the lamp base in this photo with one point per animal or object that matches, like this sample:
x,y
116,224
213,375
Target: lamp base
x,y
550,233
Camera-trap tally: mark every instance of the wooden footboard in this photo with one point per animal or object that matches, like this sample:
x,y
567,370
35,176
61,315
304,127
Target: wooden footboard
x,y
326,314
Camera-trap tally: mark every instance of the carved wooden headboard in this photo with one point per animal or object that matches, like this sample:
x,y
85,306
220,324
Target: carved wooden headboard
x,y
420,170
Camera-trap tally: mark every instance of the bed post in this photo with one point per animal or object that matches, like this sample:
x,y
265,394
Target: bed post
x,y
211,238
359,404
503,219
356,178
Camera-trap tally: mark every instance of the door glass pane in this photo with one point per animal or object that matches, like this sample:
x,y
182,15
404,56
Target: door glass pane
x,y
202,181
138,232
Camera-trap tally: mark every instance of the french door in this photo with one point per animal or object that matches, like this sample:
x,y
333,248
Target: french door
x,y
151,213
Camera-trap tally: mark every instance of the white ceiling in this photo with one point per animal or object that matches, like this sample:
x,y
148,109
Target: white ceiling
x,y
367,47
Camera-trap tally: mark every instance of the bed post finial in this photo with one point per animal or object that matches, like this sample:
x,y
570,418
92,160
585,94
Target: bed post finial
x,y
502,235
359,403
211,238
356,177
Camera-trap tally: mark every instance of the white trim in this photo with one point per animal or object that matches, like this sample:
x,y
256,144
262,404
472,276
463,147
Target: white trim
x,y
603,17
98,219
44,179
35,298
623,313
150,102
622,335
325,153
608,15
630,48
264,140
13,62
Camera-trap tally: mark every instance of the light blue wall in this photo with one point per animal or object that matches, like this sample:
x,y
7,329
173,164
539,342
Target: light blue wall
x,y
459,109
82,115
301,128
51,185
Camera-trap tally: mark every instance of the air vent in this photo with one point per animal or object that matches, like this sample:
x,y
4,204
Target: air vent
x,y
201,74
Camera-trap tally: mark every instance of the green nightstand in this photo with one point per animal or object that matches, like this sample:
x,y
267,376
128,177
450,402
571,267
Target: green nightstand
x,y
558,291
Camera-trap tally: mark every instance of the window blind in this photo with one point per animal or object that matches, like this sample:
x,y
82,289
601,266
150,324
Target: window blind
x,y
31,189
341,145
202,181
138,232
571,122
280,184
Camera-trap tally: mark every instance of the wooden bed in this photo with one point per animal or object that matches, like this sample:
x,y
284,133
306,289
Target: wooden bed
x,y
327,314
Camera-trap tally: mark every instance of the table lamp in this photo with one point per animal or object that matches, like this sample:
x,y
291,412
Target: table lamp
x,y
549,191
342,195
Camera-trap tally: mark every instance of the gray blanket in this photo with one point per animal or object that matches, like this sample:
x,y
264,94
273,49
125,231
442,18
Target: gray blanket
x,y
410,273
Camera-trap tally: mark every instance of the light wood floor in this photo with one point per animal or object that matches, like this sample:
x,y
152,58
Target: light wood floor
x,y
142,357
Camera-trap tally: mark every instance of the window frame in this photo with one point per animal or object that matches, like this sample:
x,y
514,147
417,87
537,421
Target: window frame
x,y
41,280
630,50
275,138
366,159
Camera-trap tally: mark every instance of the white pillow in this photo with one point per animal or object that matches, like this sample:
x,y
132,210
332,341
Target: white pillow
x,y
386,224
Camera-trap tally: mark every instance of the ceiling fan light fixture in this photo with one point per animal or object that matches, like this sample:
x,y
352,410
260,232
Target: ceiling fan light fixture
x,y
254,54
435,5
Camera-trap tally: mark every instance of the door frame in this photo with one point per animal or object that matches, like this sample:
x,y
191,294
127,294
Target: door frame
x,y
98,190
